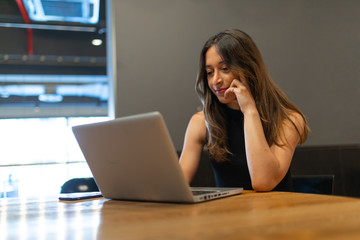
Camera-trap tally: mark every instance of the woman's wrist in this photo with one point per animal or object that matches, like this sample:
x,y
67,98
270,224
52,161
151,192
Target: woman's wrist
x,y
250,111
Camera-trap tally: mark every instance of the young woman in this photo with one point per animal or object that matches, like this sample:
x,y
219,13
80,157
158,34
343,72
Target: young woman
x,y
251,129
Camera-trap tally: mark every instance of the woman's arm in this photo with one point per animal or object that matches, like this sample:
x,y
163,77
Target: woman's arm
x,y
193,145
267,164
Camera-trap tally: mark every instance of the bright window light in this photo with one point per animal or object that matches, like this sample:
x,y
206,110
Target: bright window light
x,y
39,154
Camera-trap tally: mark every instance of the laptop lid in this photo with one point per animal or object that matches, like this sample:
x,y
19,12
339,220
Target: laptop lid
x,y
133,158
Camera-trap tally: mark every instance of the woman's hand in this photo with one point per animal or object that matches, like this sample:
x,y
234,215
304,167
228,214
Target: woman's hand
x,y
243,95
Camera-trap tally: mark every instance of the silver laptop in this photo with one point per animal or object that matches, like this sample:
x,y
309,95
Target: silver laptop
x,y
133,158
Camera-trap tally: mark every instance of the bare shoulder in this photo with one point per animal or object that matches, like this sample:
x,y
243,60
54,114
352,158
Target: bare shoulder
x,y
292,130
198,117
197,127
297,120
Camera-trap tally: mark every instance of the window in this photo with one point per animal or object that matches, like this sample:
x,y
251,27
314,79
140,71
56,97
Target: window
x,y
39,154
52,77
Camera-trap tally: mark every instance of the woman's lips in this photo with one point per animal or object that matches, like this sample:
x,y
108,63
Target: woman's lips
x,y
220,91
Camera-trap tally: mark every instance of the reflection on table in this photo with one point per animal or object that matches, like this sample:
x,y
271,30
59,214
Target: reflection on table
x,y
272,215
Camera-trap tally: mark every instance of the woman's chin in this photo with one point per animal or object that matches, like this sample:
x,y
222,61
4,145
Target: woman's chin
x,y
227,100
231,103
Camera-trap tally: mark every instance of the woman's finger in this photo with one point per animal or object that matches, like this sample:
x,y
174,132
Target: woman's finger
x,y
235,83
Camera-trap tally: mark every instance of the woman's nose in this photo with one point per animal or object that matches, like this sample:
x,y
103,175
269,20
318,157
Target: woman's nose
x,y
217,79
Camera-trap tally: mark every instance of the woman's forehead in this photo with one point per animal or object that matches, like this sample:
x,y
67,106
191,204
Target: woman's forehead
x,y
213,57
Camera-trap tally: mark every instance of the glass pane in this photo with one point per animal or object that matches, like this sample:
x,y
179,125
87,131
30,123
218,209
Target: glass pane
x,y
38,155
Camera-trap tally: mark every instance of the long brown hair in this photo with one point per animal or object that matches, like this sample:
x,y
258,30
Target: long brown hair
x,y
241,55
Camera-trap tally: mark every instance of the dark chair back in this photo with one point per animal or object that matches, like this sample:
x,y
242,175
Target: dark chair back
x,y
320,184
79,185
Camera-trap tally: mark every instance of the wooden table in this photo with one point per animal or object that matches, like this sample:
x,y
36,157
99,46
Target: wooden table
x,y
271,215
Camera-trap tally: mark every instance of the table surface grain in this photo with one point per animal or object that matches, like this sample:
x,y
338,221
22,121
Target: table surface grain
x,y
251,215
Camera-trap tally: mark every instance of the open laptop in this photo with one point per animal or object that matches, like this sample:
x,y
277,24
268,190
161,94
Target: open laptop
x,y
133,158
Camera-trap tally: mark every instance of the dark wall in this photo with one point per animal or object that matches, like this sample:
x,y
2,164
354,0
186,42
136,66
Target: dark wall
x,y
311,49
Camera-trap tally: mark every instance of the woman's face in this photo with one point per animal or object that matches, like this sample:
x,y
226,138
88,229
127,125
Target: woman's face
x,y
219,77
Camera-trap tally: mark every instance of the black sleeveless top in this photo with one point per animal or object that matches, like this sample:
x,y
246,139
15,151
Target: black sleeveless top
x,y
235,172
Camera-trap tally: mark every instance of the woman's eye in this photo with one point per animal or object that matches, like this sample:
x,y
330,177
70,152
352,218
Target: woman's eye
x,y
208,73
225,69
